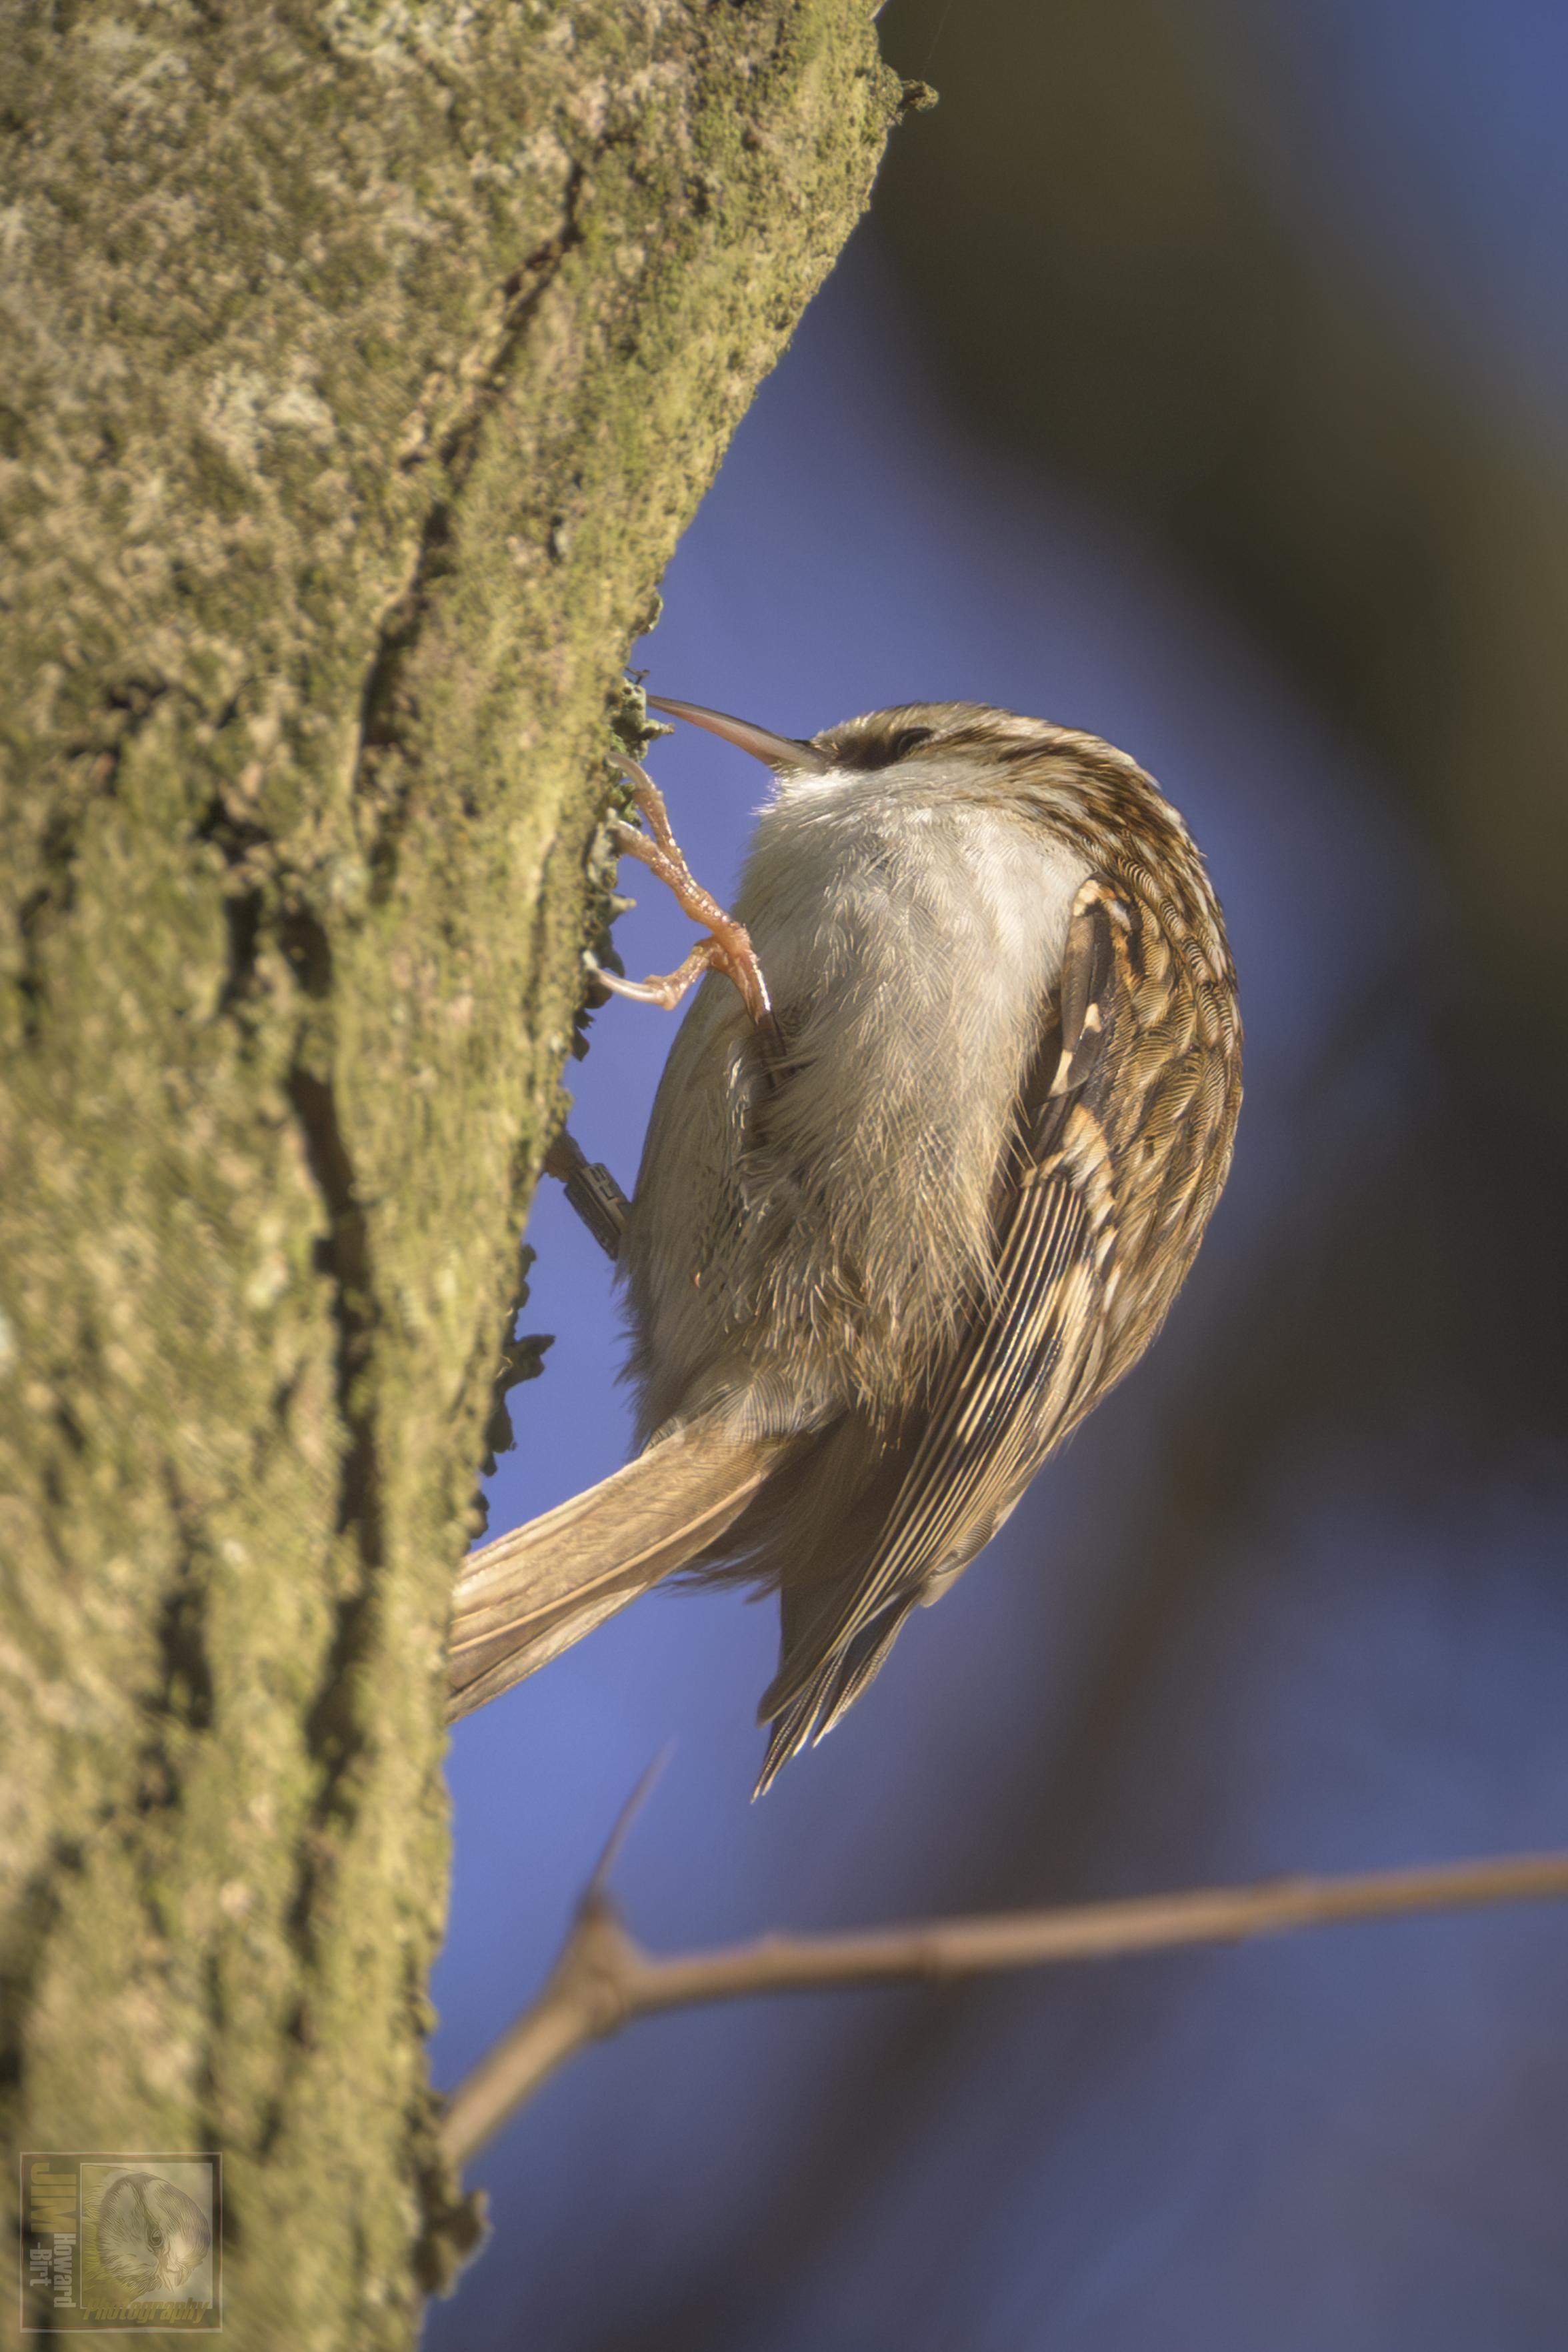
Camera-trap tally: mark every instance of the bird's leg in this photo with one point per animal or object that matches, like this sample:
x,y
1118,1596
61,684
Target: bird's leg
x,y
728,947
591,1190
664,988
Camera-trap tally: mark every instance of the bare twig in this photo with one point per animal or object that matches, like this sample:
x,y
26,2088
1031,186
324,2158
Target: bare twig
x,y
598,1888
603,1979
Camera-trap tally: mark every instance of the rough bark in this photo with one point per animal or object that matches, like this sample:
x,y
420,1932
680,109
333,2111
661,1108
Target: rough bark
x,y
364,361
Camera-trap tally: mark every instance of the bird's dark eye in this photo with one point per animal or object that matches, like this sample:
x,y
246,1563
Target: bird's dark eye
x,y
881,750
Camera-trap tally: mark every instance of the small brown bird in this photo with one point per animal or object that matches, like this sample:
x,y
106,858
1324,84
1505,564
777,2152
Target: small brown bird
x,y
918,1188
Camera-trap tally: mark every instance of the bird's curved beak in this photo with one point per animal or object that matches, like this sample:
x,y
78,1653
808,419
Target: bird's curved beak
x,y
777,751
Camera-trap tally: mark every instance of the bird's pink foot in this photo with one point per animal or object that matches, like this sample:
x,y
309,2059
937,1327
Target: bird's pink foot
x,y
728,947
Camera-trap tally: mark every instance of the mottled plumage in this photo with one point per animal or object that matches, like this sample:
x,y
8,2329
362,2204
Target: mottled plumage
x,y
883,1269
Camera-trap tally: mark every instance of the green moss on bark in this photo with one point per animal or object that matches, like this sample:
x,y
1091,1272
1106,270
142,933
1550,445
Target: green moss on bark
x,y
363,364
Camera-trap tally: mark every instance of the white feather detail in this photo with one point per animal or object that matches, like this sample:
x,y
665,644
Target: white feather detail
x,y
910,929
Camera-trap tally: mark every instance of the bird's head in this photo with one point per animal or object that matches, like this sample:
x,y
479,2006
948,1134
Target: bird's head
x,y
879,739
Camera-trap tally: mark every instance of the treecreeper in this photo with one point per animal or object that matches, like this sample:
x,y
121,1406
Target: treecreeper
x,y
934,1151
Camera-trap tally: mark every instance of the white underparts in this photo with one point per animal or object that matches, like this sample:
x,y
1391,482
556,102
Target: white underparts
x,y
910,933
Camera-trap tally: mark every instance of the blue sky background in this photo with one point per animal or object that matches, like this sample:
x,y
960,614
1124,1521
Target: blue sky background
x,y
1355,1655
1427,136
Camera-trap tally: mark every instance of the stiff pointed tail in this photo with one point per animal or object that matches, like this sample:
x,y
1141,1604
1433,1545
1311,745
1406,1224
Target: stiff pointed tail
x,y
528,1596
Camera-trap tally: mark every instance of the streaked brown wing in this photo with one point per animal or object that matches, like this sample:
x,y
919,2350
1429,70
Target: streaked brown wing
x,y
1029,1372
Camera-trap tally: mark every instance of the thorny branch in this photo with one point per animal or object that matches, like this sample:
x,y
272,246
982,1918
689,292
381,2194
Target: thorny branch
x,y
604,1979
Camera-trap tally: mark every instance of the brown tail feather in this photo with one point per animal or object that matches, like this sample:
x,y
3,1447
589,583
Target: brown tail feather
x,y
529,1595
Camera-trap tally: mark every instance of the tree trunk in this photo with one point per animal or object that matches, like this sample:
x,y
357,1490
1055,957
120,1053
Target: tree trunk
x,y
366,362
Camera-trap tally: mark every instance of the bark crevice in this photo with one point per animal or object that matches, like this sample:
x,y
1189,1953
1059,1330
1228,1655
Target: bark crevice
x,y
381,728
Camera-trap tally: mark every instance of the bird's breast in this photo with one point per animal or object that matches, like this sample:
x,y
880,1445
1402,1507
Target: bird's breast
x,y
837,1217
